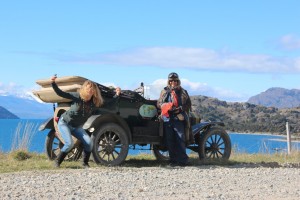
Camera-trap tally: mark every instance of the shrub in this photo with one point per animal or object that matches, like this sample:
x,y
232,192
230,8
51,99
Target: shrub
x,y
20,155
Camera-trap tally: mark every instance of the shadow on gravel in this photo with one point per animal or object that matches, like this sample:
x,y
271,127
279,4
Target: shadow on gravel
x,y
193,162
138,163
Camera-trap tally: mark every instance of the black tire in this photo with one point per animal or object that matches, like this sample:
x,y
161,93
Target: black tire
x,y
215,145
110,145
53,146
160,153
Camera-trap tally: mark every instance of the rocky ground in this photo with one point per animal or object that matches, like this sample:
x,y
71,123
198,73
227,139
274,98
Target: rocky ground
x,y
193,182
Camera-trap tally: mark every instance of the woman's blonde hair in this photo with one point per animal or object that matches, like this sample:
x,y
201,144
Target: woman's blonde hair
x,y
97,97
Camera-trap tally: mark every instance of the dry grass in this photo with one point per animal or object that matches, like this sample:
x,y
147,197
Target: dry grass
x,y
9,162
280,158
23,136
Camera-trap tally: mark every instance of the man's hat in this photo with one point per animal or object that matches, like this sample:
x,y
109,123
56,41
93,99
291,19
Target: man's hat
x,y
173,76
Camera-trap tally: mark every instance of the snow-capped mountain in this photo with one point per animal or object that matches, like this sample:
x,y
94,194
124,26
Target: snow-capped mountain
x,y
26,107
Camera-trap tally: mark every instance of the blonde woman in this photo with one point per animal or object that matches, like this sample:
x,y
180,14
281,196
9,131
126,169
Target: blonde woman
x,y
83,105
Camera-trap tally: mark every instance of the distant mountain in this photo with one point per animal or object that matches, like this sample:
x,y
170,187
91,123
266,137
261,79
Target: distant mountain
x,y
5,114
246,117
277,97
26,107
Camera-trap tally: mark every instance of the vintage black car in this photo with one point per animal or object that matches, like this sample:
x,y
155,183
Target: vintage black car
x,y
133,121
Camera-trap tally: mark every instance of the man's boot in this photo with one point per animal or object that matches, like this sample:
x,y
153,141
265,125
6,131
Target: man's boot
x,y
60,158
86,158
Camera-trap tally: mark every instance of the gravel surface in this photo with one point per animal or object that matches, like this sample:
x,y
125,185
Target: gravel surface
x,y
195,182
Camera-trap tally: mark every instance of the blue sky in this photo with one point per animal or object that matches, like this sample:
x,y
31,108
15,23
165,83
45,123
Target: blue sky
x,y
230,50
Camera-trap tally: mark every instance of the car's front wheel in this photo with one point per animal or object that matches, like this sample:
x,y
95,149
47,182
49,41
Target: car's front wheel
x,y
215,145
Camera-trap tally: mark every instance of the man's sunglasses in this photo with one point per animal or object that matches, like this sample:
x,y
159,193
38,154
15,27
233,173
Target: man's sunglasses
x,y
173,81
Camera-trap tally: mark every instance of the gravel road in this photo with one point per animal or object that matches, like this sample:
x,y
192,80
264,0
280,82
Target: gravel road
x,y
195,182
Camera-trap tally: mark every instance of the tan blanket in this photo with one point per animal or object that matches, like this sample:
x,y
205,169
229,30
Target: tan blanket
x,y
66,83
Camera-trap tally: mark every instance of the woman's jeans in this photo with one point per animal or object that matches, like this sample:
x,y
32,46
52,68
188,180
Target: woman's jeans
x,y
67,131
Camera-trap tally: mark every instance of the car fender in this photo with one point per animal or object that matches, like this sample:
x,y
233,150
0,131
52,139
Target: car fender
x,y
197,128
47,124
95,121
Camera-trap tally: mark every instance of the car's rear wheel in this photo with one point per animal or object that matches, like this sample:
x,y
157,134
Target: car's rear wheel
x,y
215,145
161,153
53,146
111,145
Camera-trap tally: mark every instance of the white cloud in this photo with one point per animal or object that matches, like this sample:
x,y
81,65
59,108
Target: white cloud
x,y
152,90
196,88
14,89
289,42
195,58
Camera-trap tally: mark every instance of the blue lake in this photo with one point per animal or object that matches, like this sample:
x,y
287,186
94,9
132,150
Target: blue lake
x,y
241,143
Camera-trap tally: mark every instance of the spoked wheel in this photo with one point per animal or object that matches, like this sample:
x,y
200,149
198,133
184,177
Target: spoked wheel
x,y
75,154
53,146
161,153
215,145
110,145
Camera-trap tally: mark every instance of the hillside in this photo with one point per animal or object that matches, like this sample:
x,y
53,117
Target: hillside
x,y
277,97
5,114
246,117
